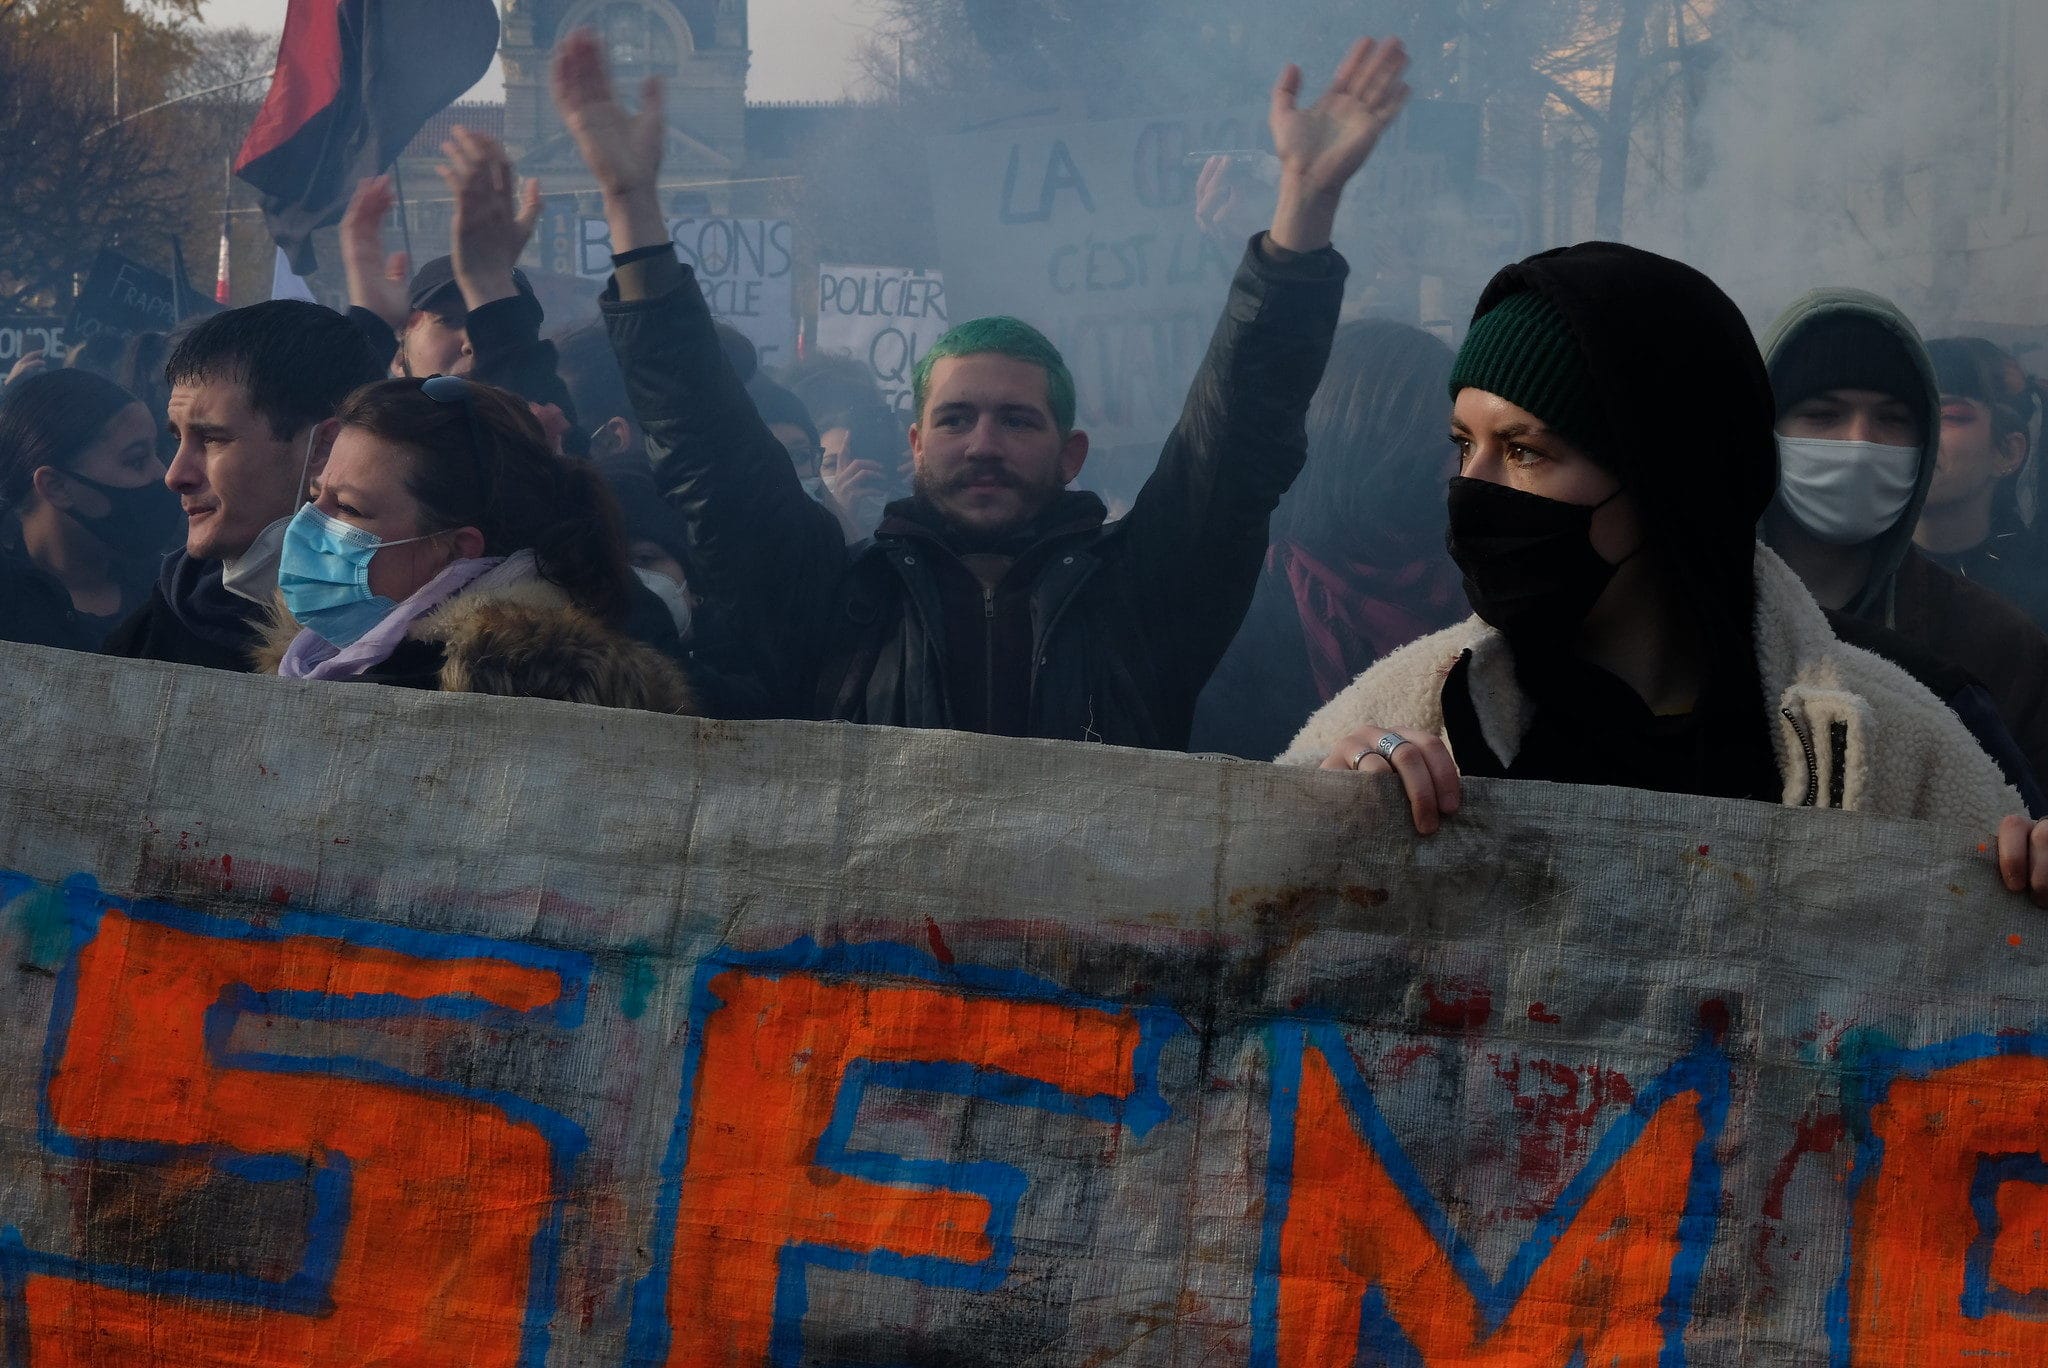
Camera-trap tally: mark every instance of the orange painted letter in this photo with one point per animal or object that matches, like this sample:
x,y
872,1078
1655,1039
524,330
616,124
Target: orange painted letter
x,y
768,1183
1946,1257
423,1248
1358,1252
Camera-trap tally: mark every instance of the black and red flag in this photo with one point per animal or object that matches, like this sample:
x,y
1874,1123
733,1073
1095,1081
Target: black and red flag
x,y
356,81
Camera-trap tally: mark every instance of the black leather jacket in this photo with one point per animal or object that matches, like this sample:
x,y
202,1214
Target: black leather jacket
x,y
1128,618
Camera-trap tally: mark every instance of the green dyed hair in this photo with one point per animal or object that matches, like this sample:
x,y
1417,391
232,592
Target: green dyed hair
x,y
1002,335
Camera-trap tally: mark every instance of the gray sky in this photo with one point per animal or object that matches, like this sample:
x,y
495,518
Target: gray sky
x,y
803,49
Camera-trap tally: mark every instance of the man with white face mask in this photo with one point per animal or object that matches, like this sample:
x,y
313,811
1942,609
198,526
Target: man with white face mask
x,y
253,393
1858,436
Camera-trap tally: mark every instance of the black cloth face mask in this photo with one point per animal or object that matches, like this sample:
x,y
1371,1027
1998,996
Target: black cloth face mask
x,y
1531,572
142,522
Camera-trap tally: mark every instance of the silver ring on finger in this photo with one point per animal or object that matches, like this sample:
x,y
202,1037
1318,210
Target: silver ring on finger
x,y
1389,743
1359,758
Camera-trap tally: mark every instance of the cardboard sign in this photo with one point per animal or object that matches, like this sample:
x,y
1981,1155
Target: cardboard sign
x,y
352,1024
885,316
24,333
745,267
123,297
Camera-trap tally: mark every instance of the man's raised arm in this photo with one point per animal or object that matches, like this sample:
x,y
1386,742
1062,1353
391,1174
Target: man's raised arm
x,y
1198,530
760,548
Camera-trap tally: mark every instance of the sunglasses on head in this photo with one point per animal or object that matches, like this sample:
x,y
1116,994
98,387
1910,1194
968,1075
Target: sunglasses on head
x,y
453,389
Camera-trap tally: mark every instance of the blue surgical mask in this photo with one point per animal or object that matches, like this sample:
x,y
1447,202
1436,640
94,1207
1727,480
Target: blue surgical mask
x,y
324,575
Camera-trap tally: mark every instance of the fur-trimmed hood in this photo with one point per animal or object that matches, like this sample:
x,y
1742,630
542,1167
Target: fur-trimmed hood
x,y
1850,730
525,640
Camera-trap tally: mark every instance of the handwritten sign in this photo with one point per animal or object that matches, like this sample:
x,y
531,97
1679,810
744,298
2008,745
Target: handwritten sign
x,y
886,316
351,1024
21,334
745,267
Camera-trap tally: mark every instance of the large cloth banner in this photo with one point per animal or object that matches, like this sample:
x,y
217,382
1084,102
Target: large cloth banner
x,y
350,1025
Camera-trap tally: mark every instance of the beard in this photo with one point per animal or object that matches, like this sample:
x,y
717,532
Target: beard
x,y
1033,497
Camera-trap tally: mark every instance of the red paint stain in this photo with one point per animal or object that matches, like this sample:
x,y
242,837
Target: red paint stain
x,y
1297,1002
1460,1005
1539,1012
1714,1018
2015,940
940,950
1559,1104
279,895
1706,850
227,873
1814,1135
1397,1063
263,770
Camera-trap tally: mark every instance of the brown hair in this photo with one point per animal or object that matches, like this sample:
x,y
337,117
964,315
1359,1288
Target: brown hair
x,y
484,462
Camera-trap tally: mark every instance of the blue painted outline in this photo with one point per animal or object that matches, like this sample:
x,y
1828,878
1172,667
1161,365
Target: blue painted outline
x,y
1706,1070
1002,1185
1981,1296
1880,1070
306,1291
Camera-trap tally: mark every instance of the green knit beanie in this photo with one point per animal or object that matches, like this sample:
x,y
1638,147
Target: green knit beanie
x,y
1524,351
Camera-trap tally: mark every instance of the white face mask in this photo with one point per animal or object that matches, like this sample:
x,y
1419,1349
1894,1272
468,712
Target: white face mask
x,y
253,574
1846,493
673,597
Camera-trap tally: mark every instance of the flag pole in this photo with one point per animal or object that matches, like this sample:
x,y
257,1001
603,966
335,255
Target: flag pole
x,y
404,219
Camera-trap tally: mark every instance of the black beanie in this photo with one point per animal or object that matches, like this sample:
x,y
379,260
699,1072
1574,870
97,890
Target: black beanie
x,y
1847,351
1523,350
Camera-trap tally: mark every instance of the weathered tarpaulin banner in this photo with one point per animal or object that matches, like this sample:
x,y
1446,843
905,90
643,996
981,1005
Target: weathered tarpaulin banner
x,y
349,1025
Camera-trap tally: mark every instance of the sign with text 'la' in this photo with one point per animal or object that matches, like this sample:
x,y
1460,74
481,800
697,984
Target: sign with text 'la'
x,y
355,1025
1088,232
884,316
745,267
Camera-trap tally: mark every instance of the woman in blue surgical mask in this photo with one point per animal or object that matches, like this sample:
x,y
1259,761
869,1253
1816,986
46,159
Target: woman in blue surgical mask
x,y
448,547
86,517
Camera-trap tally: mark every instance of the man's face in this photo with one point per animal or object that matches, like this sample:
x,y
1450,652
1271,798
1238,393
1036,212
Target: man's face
x,y
1973,457
1853,416
435,342
232,474
987,453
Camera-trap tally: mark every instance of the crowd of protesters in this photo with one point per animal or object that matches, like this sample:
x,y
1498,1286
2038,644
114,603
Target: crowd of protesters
x,y
1654,552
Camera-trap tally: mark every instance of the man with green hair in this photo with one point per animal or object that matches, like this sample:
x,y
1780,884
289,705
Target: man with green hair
x,y
996,599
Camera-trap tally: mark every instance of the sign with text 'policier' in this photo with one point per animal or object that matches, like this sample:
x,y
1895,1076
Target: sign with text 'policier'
x,y
887,317
745,267
356,1025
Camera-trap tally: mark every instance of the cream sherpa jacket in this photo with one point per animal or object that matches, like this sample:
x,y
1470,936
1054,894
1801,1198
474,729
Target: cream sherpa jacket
x,y
1851,730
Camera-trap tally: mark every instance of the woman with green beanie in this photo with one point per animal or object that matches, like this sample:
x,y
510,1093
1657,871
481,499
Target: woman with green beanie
x,y
1613,423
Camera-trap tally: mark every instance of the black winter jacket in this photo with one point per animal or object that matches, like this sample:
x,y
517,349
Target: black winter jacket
x,y
1126,619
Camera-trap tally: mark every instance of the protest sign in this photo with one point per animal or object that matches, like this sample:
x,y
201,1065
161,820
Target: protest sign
x,y
745,267
24,333
352,1024
1088,231
122,297
885,316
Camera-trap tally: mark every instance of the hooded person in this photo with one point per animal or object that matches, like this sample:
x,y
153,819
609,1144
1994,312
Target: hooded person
x,y
1971,525
1613,422
1357,566
1859,437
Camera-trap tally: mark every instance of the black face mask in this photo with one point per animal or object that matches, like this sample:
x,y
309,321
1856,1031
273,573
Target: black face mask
x,y
1531,572
142,522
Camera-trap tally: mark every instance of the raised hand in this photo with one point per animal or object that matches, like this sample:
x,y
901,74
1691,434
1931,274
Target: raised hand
x,y
622,150
493,221
1321,147
375,282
